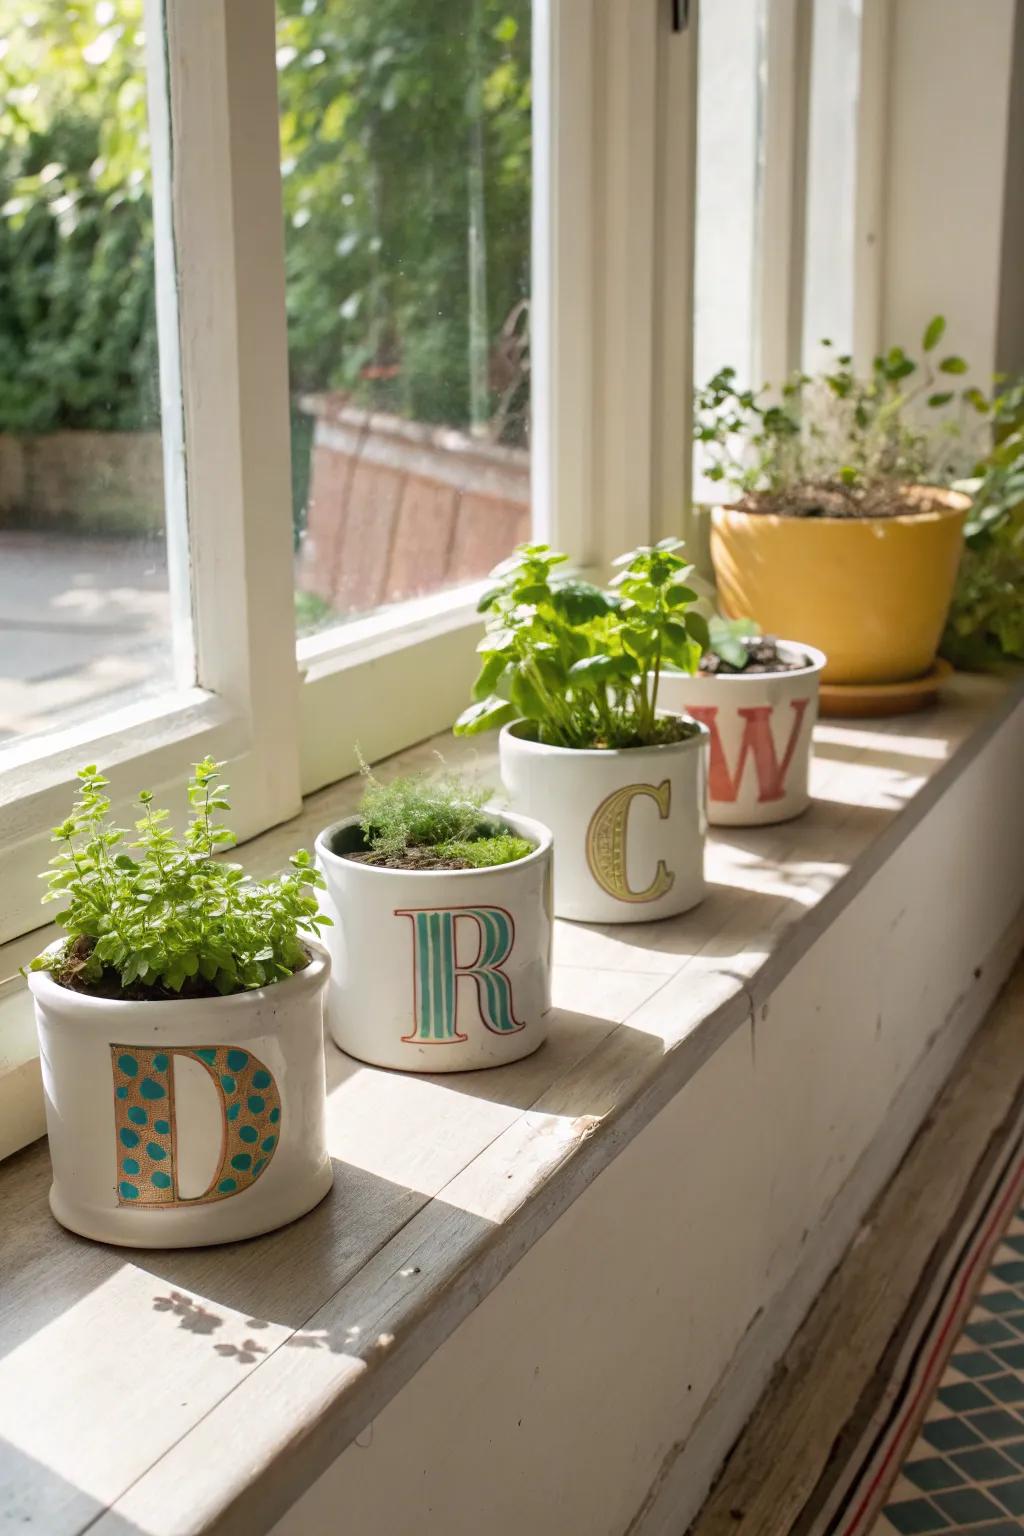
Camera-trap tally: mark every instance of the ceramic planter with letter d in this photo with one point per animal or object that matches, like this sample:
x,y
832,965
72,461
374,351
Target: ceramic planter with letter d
x,y
185,1122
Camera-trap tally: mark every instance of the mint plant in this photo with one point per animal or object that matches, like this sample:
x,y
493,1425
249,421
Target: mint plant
x,y
420,821
838,444
166,918
579,664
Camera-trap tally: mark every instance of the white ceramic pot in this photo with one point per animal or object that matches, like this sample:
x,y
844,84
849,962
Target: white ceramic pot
x,y
628,825
438,970
761,725
187,1122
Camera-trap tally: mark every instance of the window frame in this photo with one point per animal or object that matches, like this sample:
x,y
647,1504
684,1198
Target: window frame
x,y
612,251
223,391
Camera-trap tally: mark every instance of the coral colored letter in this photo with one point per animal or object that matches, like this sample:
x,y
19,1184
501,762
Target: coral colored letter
x,y
757,742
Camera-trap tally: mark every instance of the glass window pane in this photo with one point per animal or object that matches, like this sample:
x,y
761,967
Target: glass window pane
x,y
831,178
729,123
84,610
405,140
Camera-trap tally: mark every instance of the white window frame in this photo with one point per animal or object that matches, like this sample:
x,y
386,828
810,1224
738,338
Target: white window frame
x,y
610,364
612,293
613,309
225,433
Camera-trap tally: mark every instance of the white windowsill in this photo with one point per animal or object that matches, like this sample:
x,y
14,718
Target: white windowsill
x,y
442,1184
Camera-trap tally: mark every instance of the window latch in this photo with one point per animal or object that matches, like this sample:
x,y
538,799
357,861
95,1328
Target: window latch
x,y
680,15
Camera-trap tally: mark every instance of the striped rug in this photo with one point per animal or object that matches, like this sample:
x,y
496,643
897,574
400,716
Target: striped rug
x,y
943,1448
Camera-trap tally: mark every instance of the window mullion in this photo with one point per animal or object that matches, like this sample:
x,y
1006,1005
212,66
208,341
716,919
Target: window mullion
x,y
626,74
562,302
172,425
673,291
229,250
869,209
783,189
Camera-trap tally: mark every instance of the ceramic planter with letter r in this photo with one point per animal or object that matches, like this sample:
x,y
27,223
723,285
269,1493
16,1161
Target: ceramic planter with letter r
x,y
438,970
628,824
185,1122
761,725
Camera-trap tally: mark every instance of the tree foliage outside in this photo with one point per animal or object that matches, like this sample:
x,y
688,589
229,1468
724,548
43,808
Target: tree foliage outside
x,y
77,328
405,133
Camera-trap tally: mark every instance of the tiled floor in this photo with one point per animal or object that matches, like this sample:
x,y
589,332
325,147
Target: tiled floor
x,y
965,1472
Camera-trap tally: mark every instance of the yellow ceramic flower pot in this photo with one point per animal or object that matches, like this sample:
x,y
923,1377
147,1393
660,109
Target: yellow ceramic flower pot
x,y
872,592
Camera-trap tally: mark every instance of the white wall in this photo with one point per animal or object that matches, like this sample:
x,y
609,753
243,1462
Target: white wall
x,y
597,1389
1010,355
948,120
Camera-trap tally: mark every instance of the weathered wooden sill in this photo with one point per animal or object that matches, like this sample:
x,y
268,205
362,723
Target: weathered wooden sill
x,y
203,1391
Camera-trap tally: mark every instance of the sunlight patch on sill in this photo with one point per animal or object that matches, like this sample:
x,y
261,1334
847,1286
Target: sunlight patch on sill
x,y
934,749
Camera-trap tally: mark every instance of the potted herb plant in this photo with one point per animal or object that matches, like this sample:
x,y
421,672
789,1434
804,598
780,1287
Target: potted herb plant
x,y
441,943
181,1030
986,621
844,530
572,674
758,697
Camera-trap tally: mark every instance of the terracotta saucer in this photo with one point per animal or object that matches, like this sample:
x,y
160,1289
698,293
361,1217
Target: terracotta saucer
x,y
864,700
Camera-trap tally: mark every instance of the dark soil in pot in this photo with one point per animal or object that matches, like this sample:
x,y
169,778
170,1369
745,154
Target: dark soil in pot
x,y
669,729
835,500
764,656
350,843
109,986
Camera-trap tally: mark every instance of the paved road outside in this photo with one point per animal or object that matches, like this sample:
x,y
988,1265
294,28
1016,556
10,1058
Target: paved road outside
x,y
83,622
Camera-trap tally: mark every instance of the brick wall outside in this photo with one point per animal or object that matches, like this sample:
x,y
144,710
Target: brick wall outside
x,y
399,510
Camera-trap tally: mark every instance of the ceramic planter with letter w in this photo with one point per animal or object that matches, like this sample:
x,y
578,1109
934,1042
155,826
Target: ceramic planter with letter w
x,y
761,724
438,970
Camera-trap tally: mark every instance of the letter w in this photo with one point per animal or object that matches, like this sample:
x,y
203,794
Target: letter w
x,y
757,742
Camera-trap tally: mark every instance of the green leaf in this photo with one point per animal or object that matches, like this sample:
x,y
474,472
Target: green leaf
x,y
698,629
952,365
524,695
676,596
595,669
934,331
942,398
485,715
488,677
578,602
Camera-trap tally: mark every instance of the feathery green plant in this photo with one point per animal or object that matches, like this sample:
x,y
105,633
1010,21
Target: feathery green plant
x,y
444,814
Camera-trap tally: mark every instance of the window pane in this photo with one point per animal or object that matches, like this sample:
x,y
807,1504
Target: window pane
x,y
84,610
728,194
405,139
831,178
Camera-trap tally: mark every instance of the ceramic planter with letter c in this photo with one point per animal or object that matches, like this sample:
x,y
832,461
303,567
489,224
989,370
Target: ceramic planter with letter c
x,y
438,970
628,824
185,1122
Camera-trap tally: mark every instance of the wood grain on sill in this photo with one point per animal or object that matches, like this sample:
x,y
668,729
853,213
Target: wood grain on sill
x,y
202,1391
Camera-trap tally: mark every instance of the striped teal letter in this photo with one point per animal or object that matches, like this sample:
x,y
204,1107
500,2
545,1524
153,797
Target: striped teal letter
x,y
437,971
